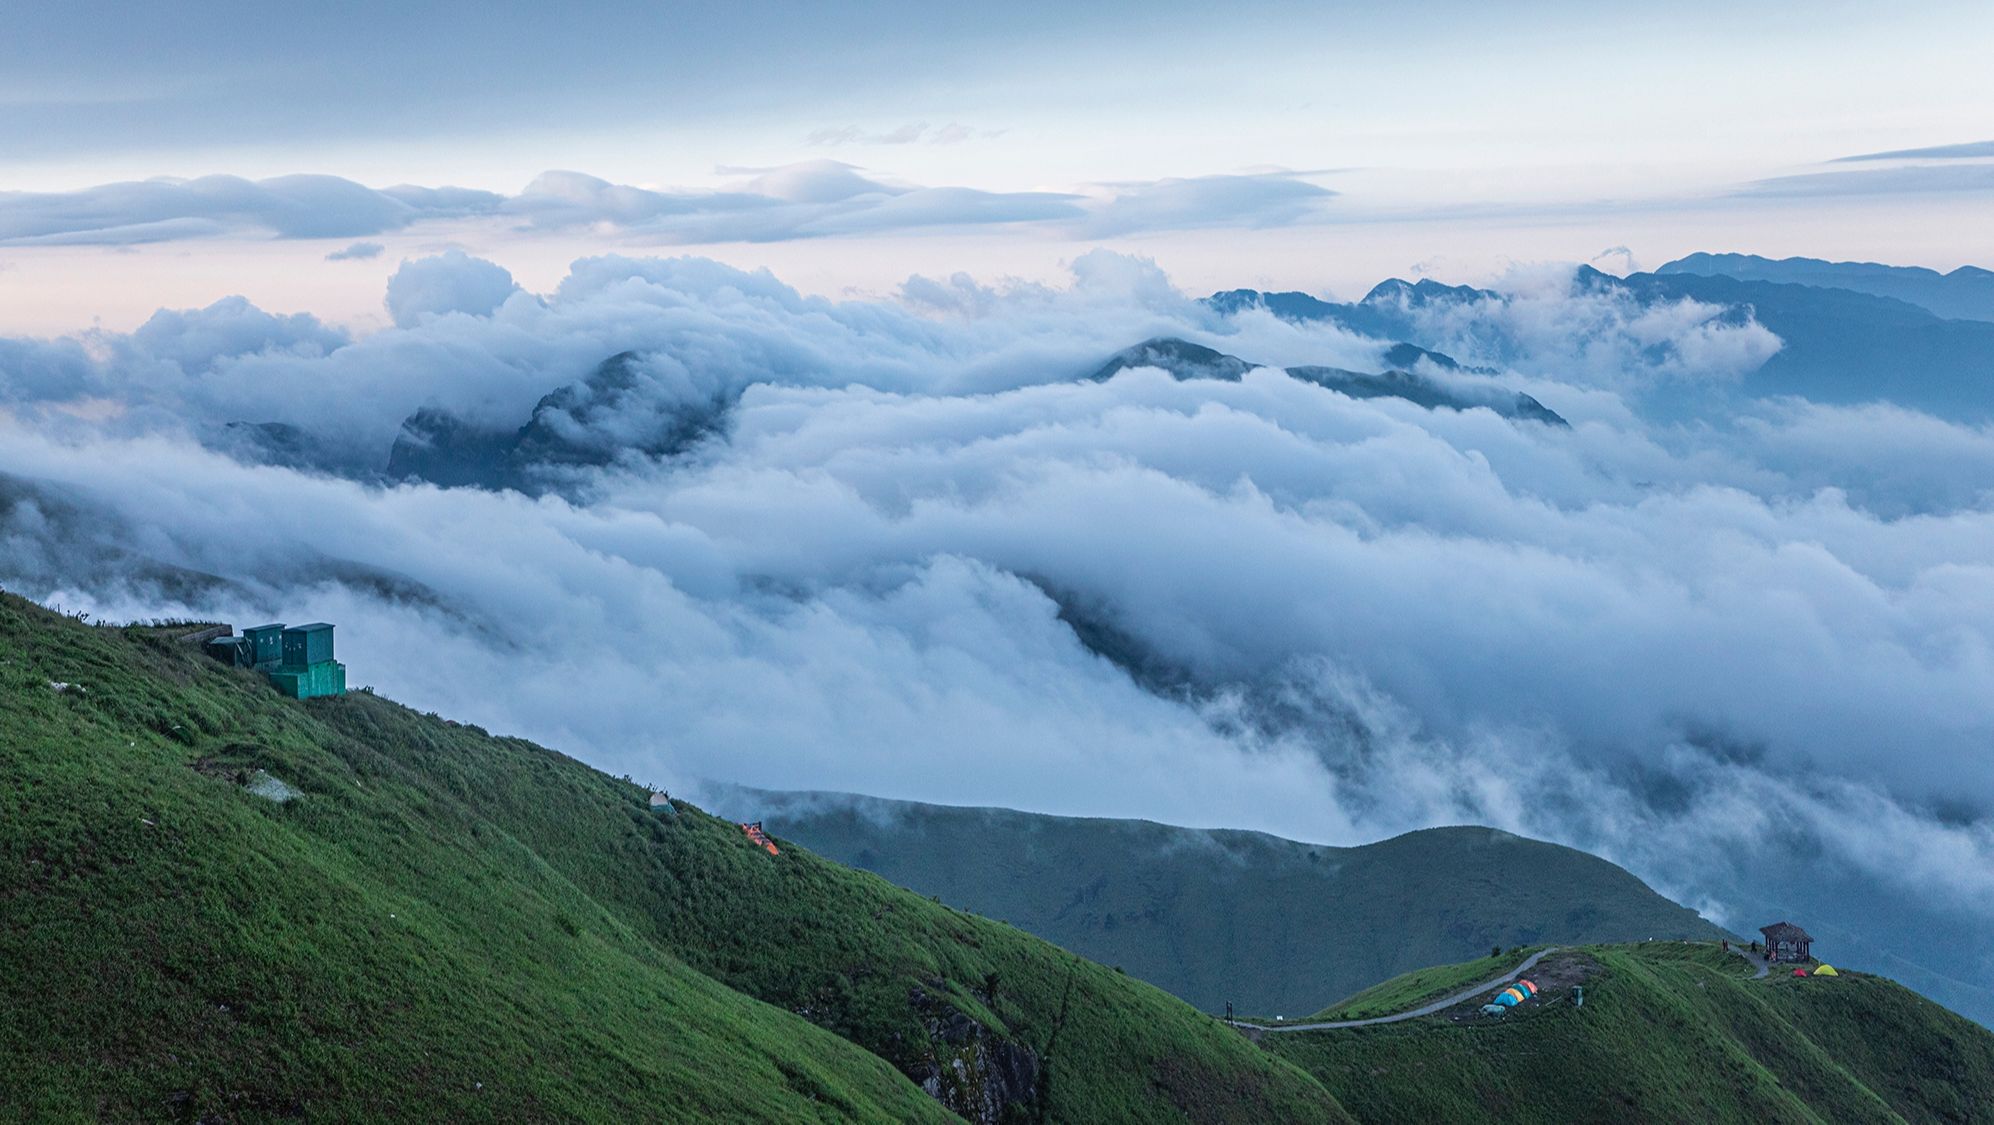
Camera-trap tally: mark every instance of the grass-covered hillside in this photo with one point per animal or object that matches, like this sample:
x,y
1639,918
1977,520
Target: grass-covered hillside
x,y
452,926
447,926
1272,925
1668,1032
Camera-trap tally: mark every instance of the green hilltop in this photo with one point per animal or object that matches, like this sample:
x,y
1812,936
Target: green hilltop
x,y
446,925
1668,1032
452,926
1217,916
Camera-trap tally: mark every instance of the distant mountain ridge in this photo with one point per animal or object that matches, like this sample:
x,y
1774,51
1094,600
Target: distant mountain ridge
x,y
1966,293
1271,925
1839,345
1186,360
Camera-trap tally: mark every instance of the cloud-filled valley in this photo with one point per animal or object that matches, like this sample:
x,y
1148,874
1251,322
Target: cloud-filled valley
x,y
911,549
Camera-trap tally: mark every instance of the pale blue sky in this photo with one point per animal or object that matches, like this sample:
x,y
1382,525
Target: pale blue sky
x,y
1467,131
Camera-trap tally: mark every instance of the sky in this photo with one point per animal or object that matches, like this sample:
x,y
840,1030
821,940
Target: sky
x,y
868,255
1310,146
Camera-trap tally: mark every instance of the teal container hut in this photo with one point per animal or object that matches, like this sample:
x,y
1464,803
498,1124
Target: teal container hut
x,y
297,661
266,646
231,650
308,669
306,645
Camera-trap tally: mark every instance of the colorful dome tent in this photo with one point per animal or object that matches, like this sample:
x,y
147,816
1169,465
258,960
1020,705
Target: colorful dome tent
x,y
1826,971
1527,987
1800,972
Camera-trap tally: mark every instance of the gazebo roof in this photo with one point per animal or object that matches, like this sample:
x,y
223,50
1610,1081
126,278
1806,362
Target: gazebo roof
x,y
1785,930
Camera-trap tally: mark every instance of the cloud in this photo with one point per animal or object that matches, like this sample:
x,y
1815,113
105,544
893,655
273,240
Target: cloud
x,y
914,132
1913,179
194,339
1746,656
1547,321
1616,255
813,199
356,252
450,282
1263,200
1967,151
301,206
809,199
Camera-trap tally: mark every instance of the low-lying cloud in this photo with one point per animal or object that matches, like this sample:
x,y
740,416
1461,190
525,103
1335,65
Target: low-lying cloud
x,y
1747,656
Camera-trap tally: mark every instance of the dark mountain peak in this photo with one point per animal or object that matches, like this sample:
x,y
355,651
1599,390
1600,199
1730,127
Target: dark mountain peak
x,y
1287,306
1186,360
1430,394
1423,291
1589,280
437,446
278,443
1182,358
619,409
1406,356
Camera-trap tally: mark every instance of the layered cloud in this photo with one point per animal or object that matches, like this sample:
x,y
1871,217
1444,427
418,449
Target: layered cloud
x,y
925,557
812,199
1970,150
913,132
1905,179
1267,199
285,207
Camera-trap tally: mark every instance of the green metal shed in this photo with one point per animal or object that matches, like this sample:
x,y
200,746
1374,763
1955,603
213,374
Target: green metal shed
x,y
266,645
230,650
305,645
327,677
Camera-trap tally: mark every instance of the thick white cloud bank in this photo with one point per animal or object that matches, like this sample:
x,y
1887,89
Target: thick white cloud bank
x,y
1749,657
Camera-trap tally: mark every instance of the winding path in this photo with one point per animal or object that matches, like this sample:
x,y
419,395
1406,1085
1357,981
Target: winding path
x,y
1440,1005
1757,962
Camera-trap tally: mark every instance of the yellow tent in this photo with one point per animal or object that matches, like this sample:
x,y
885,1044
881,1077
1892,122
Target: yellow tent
x,y
1826,971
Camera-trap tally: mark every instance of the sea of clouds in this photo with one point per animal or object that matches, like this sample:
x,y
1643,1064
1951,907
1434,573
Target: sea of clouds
x,y
1746,651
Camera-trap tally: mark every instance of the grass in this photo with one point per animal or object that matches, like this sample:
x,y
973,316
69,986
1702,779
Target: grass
x,y
1422,986
455,926
1668,1032
1218,917
450,925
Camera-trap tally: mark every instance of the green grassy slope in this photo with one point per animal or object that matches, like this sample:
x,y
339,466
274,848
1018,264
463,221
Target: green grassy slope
x,y
1422,986
458,927
1668,1032
1272,925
